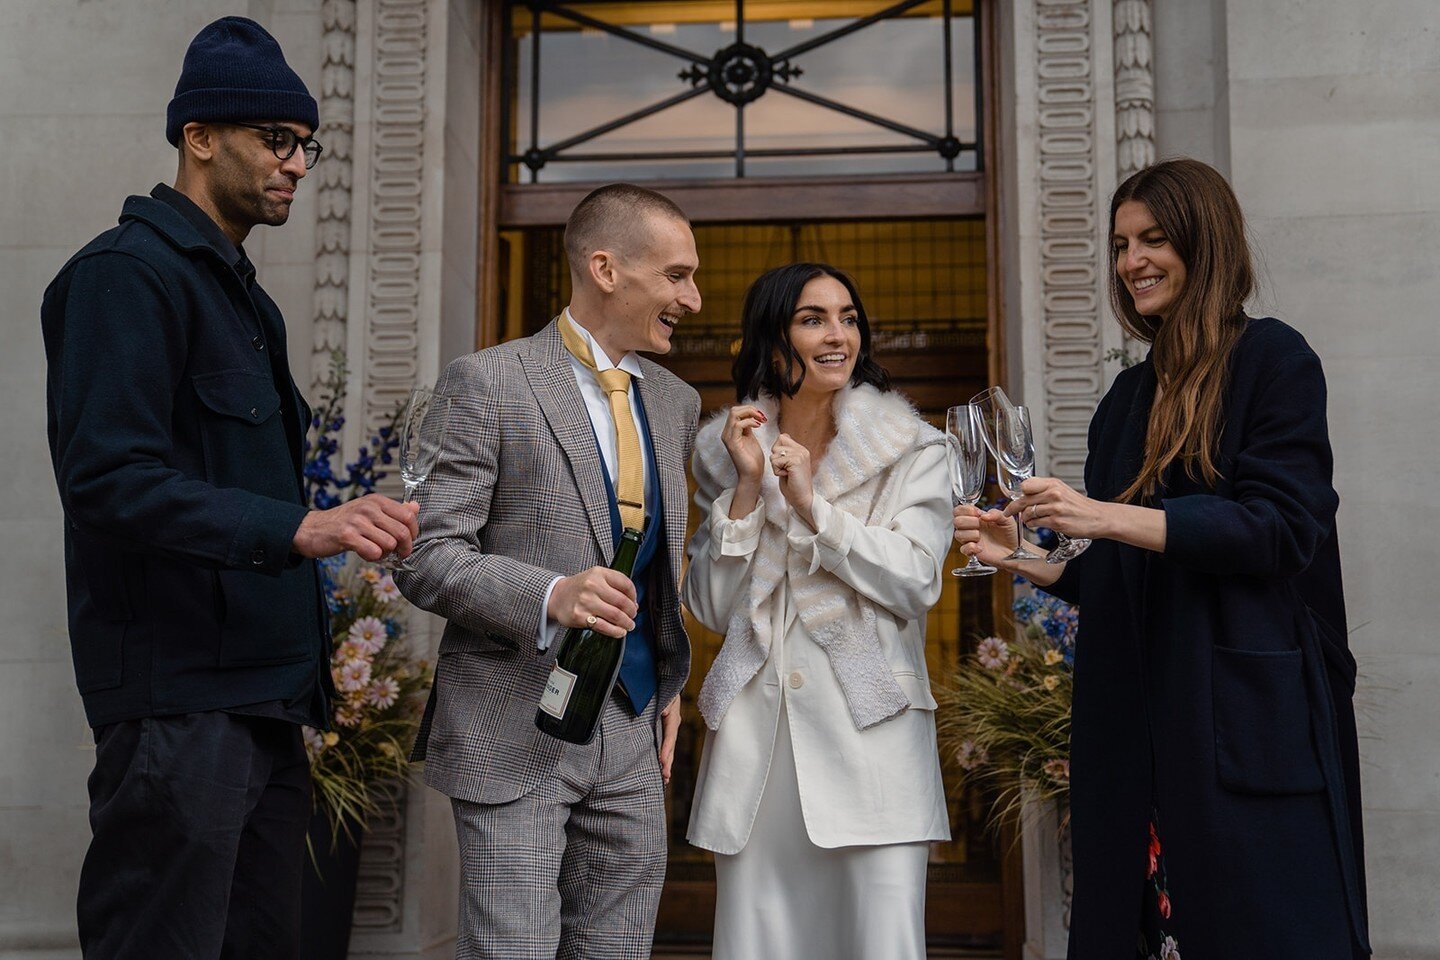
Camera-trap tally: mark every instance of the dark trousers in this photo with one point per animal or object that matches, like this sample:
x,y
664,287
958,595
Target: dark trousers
x,y
199,840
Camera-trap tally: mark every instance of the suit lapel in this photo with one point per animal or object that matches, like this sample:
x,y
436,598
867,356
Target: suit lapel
x,y
553,381
665,433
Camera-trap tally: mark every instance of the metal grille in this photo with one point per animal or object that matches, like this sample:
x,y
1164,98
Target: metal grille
x,y
923,282
742,74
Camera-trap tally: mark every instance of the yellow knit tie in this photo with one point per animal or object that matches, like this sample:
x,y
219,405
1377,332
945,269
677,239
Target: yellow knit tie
x,y
630,485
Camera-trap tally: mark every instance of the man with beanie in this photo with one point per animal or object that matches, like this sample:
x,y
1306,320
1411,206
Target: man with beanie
x,y
197,622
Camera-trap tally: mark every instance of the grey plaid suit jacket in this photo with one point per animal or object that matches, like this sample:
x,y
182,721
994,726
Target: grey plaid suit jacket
x,y
517,498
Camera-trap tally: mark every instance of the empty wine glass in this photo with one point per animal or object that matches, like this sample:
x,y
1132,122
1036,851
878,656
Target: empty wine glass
x,y
965,446
1007,434
999,410
422,434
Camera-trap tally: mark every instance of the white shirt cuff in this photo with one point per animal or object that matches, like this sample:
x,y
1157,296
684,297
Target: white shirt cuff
x,y
548,628
734,538
829,542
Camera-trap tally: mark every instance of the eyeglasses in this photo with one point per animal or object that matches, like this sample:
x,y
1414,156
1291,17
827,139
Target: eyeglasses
x,y
284,141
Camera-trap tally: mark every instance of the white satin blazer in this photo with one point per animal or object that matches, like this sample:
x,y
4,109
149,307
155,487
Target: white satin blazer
x,y
881,785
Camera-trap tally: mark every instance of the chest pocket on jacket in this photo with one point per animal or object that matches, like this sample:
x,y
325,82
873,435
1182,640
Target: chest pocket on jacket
x,y
245,442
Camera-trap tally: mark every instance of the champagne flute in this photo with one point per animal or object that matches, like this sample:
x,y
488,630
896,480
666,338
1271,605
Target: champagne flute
x,y
965,446
422,434
1002,409
1007,434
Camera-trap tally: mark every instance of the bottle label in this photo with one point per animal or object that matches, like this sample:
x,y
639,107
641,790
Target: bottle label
x,y
557,692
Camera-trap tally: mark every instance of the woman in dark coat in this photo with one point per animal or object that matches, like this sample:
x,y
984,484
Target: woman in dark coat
x,y
1215,794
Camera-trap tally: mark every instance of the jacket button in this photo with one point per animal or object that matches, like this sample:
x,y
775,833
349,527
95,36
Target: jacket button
x,y
797,680
257,557
254,413
258,342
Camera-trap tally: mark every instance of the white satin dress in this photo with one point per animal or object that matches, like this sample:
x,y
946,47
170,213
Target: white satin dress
x,y
783,897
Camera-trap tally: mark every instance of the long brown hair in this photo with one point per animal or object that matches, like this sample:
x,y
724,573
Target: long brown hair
x,y
1200,217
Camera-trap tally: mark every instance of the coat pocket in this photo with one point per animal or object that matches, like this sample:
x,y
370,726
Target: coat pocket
x,y
1263,743
245,444
917,688
262,624
99,656
110,578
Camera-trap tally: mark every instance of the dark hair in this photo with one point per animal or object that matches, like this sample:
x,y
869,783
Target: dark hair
x,y
613,216
767,362
1198,213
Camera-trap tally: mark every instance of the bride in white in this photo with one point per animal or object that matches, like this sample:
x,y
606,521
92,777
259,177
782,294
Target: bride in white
x,y
827,518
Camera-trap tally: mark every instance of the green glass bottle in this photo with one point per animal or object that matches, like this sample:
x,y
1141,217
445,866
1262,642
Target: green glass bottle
x,y
586,666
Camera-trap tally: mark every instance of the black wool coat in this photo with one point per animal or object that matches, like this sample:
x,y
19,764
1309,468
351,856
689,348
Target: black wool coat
x,y
1213,684
180,480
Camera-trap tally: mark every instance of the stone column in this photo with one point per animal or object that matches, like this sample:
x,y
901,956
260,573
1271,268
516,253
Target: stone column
x,y
1078,82
1057,179
378,295
336,187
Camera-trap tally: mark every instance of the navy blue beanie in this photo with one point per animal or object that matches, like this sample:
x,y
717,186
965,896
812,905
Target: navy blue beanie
x,y
234,70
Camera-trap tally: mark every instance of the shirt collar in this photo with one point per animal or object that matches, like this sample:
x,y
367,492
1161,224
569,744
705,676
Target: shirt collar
x,y
630,363
208,229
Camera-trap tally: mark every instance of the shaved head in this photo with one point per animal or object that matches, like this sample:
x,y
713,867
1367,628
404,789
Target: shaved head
x,y
617,217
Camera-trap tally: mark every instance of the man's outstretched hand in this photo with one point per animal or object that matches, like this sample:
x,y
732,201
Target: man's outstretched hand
x,y
371,526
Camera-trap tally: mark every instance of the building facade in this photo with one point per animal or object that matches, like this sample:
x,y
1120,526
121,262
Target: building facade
x,y
1323,113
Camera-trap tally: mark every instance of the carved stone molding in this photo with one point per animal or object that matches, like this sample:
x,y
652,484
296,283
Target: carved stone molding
x,y
1070,252
1067,870
380,887
336,176
1134,87
389,237
396,205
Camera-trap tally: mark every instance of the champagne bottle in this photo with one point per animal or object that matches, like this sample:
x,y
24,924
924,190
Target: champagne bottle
x,y
586,667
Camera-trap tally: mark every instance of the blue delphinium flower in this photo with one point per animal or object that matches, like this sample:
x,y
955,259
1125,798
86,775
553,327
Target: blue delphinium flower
x,y
323,488
1044,615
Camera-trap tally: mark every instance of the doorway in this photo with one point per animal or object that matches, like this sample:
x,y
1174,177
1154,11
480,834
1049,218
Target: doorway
x,y
925,287
908,212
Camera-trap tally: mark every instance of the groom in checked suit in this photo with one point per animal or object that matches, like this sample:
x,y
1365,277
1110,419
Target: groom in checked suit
x,y
555,442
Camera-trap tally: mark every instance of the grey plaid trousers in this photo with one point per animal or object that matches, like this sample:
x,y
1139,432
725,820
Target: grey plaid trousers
x,y
573,869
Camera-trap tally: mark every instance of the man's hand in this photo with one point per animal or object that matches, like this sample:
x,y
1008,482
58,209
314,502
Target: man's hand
x,y
599,598
372,526
669,731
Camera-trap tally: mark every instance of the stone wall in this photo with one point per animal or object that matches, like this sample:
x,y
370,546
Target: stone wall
x,y
1334,144
82,125
1323,112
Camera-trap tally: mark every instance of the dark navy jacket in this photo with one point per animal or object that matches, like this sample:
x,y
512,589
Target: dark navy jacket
x,y
179,476
1213,683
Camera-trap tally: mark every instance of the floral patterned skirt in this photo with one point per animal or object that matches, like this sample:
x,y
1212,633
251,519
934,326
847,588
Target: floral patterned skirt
x,y
1154,943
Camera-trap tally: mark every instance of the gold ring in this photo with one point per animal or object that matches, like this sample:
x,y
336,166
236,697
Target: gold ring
x,y
590,620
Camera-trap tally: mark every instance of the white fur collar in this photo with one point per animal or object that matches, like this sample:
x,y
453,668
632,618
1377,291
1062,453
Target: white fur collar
x,y
873,430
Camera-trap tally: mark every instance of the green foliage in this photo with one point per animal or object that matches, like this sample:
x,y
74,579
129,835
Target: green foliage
x,y
1005,711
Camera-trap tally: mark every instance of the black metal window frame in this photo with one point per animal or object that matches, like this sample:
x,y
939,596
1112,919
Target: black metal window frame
x,y
739,74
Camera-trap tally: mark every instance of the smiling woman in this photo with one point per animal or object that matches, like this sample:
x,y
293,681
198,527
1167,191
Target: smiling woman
x,y
824,504
805,334
1145,260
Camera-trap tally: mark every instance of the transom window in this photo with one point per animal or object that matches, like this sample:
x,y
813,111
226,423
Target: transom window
x,y
711,89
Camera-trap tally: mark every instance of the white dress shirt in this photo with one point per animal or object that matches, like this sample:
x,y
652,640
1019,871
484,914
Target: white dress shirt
x,y
597,405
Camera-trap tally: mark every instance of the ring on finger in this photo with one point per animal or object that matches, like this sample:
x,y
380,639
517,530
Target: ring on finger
x,y
591,620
